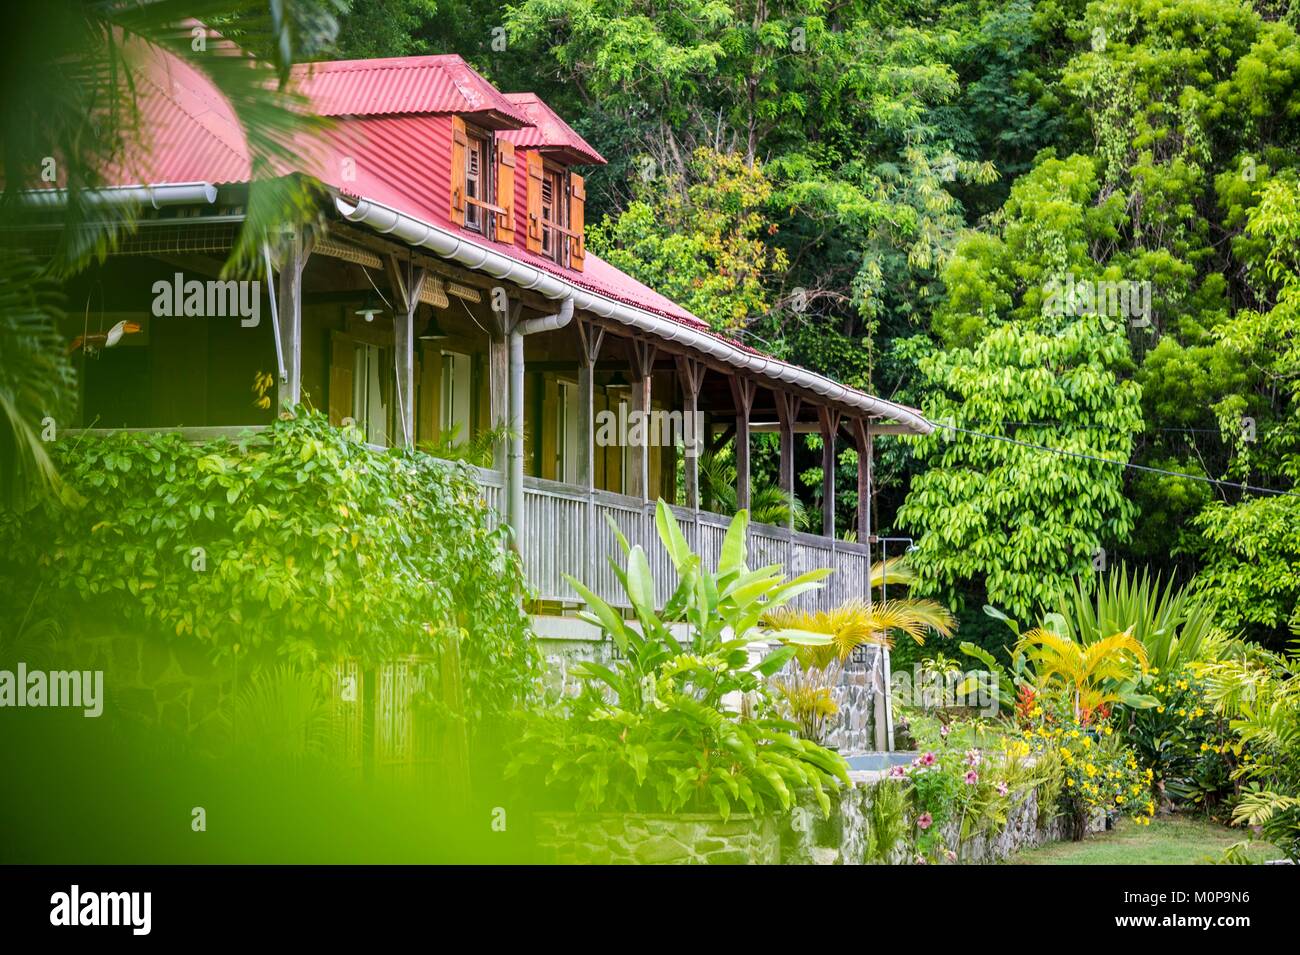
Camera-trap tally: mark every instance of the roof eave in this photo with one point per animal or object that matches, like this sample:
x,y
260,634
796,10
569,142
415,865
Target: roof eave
x,y
446,244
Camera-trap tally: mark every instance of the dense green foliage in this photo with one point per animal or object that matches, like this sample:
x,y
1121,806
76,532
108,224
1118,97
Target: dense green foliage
x,y
297,542
889,193
1260,693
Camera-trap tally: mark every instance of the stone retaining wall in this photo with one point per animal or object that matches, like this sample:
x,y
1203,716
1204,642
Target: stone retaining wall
x,y
809,839
656,839
171,684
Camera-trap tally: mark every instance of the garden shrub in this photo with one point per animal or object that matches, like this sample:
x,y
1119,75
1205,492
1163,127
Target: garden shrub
x,y
297,543
1098,772
1183,740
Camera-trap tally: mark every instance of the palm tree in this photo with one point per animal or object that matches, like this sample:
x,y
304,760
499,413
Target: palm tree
x,y
36,378
768,503
74,72
1094,673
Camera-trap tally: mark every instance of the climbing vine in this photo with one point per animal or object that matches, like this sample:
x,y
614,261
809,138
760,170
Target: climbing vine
x,y
297,542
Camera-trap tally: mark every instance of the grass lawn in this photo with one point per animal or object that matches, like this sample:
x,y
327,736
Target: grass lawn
x,y
1169,840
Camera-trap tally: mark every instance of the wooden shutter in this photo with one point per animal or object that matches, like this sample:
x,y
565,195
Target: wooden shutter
x,y
535,171
459,147
577,200
506,191
342,360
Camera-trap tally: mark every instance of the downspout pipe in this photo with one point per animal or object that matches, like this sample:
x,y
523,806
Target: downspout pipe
x,y
515,455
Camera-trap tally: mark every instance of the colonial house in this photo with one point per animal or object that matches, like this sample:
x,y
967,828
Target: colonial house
x,y
445,290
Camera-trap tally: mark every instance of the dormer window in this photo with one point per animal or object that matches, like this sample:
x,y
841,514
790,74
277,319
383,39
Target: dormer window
x,y
555,212
477,166
555,218
474,180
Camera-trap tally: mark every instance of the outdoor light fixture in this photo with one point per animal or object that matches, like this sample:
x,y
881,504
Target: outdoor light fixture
x,y
369,308
618,382
432,331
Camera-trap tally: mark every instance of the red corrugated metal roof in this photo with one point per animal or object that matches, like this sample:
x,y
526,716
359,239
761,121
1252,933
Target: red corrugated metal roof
x,y
549,133
189,131
191,134
405,85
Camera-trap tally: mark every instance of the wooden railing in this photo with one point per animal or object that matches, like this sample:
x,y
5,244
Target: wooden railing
x,y
566,531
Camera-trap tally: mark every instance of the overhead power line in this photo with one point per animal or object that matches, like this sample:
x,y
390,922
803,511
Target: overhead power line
x,y
1122,464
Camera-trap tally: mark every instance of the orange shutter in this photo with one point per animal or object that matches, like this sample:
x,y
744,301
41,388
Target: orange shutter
x,y
534,237
506,191
459,145
577,199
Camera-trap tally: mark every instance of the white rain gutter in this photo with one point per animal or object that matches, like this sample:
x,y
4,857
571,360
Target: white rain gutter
x,y
166,194
515,458
442,242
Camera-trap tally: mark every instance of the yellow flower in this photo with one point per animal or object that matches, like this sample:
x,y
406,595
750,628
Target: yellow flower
x,y
1119,799
1069,782
1205,747
1160,709
1200,711
1107,730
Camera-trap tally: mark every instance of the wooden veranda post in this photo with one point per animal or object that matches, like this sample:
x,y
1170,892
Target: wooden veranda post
x,y
742,391
691,375
787,413
499,375
293,255
643,355
407,283
829,421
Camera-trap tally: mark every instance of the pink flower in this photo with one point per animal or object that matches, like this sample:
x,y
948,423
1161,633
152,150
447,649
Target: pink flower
x,y
898,772
924,821
950,855
926,759
972,778
972,757
945,730
1002,789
